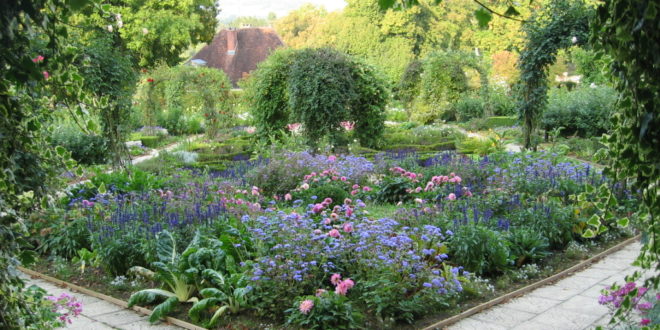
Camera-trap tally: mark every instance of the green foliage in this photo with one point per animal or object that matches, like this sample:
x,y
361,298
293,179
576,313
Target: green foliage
x,y
65,238
84,148
30,166
169,96
155,31
469,107
550,30
584,112
527,245
319,88
444,82
393,190
330,311
229,294
480,250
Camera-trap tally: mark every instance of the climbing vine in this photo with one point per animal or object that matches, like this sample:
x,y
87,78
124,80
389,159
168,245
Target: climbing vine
x,y
564,23
627,31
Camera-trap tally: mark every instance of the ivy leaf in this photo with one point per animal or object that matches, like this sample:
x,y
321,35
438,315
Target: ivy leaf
x,y
623,222
483,16
102,189
588,234
594,221
60,150
91,125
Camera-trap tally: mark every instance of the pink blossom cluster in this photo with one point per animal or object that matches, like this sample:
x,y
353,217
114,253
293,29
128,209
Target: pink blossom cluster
x,y
615,296
87,204
341,286
332,175
65,305
294,127
410,175
306,306
347,125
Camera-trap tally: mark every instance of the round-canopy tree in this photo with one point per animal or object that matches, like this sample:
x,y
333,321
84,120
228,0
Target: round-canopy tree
x,y
318,88
564,23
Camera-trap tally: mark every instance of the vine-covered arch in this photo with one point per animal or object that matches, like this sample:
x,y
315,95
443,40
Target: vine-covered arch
x,y
565,23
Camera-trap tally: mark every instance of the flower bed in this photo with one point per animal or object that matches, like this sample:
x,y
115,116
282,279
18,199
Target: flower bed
x,y
292,239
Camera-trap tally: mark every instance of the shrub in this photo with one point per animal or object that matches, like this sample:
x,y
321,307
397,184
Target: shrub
x,y
151,141
469,107
502,104
583,112
318,88
527,245
85,149
480,250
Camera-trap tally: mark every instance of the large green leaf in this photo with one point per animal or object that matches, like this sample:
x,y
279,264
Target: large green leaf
x,y
214,277
201,306
166,248
213,293
148,296
163,309
217,315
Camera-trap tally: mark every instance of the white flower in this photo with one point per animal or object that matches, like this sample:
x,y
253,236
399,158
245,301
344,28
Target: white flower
x,y
574,40
145,31
110,28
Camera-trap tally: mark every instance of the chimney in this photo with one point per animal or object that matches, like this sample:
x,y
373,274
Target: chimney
x,y
232,41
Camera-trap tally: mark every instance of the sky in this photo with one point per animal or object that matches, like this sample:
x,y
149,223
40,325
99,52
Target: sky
x,y
261,8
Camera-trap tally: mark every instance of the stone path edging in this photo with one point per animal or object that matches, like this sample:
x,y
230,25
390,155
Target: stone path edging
x,y
563,274
113,300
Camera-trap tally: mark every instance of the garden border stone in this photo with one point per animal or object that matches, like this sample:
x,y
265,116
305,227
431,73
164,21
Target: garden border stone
x,y
113,300
501,299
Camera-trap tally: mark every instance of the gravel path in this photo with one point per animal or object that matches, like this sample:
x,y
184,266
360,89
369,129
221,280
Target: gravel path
x,y
571,303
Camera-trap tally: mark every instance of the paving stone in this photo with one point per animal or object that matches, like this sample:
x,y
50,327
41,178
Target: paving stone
x,y
530,325
560,318
532,304
503,316
584,305
472,324
99,308
145,325
614,264
553,292
598,273
594,291
87,324
577,283
120,318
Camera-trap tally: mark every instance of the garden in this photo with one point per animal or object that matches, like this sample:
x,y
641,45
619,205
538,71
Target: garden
x,y
332,190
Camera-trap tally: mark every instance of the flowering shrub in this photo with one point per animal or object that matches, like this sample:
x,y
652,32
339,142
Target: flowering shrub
x,y
633,297
325,310
65,306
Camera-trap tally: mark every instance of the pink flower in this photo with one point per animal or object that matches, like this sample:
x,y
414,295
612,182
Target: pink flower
x,y
317,231
327,200
343,287
645,322
354,192
46,75
458,179
366,188
86,203
419,200
334,233
287,197
348,201
305,186
418,189
38,59
293,127
451,197
306,306
349,212
356,186
332,158
327,221
317,208
335,279
347,125
335,178
250,130
348,227
343,178
319,292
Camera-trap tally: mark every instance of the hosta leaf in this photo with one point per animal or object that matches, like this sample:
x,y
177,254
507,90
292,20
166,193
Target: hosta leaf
x,y
163,309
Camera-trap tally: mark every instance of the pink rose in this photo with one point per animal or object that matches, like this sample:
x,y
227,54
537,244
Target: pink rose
x,y
451,197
